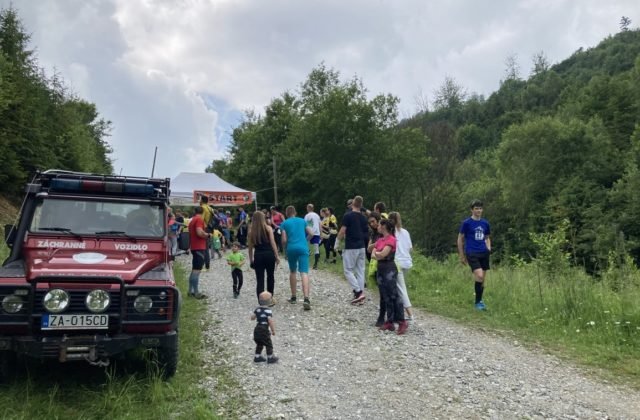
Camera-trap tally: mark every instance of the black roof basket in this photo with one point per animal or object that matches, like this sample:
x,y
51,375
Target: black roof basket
x,y
157,187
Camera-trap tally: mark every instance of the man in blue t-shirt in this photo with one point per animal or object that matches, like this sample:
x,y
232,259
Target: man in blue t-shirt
x,y
474,247
243,227
295,234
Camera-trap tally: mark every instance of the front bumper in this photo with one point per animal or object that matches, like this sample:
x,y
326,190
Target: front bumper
x,y
89,347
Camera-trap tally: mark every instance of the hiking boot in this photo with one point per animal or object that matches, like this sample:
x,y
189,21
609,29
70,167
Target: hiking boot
x,y
235,295
379,322
402,327
480,306
273,302
259,359
388,326
307,304
272,359
200,296
292,299
190,294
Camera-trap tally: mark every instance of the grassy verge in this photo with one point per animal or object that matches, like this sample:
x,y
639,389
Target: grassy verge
x,y
127,391
594,322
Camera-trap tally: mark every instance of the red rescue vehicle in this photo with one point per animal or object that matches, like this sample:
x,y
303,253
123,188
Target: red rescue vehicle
x,y
89,275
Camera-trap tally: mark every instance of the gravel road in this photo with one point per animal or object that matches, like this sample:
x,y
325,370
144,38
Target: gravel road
x,y
334,364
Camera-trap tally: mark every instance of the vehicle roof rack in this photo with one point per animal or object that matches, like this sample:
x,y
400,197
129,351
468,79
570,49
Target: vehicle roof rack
x,y
56,180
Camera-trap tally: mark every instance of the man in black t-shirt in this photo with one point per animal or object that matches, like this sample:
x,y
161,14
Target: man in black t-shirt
x,y
354,230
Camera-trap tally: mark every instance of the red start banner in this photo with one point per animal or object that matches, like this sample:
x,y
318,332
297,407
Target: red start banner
x,y
224,198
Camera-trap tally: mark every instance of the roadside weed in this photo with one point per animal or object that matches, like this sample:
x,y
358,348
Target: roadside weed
x,y
125,390
593,321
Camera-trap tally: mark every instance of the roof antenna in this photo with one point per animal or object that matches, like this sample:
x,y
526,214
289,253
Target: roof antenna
x,y
153,168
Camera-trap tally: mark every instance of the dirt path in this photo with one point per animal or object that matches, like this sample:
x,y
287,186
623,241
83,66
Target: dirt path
x,y
335,364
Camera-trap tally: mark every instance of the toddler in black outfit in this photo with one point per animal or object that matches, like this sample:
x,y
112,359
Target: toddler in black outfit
x,y
261,334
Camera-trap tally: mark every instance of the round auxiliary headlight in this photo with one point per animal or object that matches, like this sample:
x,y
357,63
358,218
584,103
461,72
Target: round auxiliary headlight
x,y
98,301
12,304
56,301
143,303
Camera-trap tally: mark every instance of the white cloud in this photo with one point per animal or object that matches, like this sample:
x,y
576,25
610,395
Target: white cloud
x,y
174,73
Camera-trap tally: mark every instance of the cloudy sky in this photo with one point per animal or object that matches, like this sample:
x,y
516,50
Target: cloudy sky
x,y
178,74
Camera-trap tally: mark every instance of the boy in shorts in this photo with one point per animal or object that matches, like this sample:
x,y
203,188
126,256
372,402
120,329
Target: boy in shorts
x,y
474,248
261,335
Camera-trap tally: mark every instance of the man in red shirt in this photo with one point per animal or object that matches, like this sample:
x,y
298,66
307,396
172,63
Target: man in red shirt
x,y
198,243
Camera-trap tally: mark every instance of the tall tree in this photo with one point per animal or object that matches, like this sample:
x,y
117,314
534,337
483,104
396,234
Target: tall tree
x,y
42,125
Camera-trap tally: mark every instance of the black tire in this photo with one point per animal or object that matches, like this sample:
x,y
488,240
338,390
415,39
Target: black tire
x,y
167,360
7,366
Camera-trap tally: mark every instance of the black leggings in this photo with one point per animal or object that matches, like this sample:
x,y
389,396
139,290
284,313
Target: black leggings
x,y
329,246
387,278
264,261
236,275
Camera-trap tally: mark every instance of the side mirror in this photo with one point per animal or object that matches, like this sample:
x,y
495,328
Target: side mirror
x,y
10,234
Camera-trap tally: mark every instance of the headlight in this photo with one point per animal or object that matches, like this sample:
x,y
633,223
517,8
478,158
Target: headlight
x,y
98,301
12,304
143,303
56,301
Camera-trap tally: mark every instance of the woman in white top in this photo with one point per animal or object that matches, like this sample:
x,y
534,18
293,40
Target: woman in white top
x,y
403,260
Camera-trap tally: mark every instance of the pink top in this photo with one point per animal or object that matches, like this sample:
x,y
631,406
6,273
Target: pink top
x,y
384,241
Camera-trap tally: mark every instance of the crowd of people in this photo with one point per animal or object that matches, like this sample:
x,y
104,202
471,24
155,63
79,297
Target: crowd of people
x,y
376,236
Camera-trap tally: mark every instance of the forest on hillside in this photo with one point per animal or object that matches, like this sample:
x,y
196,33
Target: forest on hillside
x,y
43,124
555,156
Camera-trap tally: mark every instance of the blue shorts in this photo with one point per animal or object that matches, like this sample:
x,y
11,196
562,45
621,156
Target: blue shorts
x,y
315,240
298,260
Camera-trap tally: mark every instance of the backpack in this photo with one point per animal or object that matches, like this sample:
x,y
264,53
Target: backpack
x,y
214,223
183,241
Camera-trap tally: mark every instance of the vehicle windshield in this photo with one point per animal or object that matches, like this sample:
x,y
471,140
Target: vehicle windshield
x,y
88,217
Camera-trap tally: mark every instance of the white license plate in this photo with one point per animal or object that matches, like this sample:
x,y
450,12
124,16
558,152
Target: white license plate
x,y
74,322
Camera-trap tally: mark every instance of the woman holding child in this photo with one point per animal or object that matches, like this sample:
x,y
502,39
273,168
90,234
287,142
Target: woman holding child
x,y
263,253
387,277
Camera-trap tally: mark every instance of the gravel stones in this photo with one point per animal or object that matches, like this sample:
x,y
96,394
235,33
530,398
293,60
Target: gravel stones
x,y
334,364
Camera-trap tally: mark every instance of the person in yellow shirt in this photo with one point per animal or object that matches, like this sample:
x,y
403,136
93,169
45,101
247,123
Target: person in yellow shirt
x,y
328,233
217,238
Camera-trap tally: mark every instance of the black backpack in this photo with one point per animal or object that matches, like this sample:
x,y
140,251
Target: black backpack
x,y
214,223
183,241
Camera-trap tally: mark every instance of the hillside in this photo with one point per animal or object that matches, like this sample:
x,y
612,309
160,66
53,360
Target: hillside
x,y
8,212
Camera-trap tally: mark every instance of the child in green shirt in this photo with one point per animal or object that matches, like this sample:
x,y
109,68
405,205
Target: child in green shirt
x,y
236,260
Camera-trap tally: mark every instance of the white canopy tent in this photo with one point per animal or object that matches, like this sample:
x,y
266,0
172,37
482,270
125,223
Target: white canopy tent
x,y
188,187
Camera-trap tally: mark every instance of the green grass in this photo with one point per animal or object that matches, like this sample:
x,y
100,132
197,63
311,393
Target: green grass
x,y
593,322
4,251
79,391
